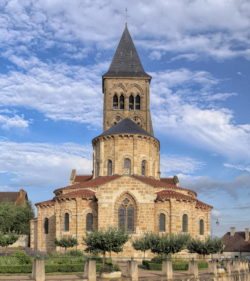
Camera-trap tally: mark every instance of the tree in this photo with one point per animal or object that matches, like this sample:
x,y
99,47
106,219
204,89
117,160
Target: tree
x,y
66,242
105,241
169,244
7,239
15,218
144,243
206,247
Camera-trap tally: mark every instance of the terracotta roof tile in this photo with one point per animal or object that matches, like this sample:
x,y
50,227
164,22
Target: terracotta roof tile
x,y
236,243
46,203
8,196
168,180
82,178
83,193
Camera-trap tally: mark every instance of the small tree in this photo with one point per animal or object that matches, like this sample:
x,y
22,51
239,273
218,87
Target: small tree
x,y
207,247
144,243
169,244
105,241
66,242
7,239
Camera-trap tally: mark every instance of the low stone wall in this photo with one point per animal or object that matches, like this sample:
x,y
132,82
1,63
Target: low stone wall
x,y
22,242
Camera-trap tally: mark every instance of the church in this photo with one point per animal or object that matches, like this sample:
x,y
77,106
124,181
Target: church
x,y
125,189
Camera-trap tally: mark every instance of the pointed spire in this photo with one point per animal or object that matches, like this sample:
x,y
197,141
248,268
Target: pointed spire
x,y
126,62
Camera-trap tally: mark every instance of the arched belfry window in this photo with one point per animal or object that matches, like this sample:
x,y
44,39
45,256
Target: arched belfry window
x,y
143,167
162,222
122,102
46,225
137,102
89,222
126,215
110,168
201,227
185,223
115,101
131,102
127,166
66,222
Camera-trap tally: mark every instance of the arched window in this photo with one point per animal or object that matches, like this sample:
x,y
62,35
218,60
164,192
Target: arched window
x,y
127,166
89,222
162,222
46,225
110,168
122,102
66,222
126,215
143,167
185,223
138,102
115,102
131,102
201,227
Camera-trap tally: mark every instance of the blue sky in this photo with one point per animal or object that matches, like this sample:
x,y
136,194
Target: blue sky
x,y
52,56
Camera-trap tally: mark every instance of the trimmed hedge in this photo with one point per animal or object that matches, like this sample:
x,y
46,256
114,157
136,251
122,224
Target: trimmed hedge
x,y
16,269
64,268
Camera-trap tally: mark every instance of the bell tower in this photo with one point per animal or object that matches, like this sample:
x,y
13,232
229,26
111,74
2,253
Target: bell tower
x,y
126,87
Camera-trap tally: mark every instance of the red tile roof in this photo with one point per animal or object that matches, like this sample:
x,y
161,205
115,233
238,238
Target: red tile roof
x,y
82,178
46,203
236,243
84,193
168,180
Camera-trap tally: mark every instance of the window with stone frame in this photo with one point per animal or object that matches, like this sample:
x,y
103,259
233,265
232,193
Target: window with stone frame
x,y
89,222
143,167
110,168
127,166
131,102
185,223
162,222
122,102
137,102
201,227
126,215
115,101
66,222
46,226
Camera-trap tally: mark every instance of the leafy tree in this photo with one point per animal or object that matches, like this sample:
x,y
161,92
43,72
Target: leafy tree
x,y
168,244
7,239
105,241
66,242
143,243
15,218
206,247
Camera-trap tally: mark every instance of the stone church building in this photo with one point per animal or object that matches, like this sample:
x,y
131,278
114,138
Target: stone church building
x,y
125,189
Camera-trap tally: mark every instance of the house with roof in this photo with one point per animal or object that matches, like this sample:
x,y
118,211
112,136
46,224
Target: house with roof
x,y
125,189
18,198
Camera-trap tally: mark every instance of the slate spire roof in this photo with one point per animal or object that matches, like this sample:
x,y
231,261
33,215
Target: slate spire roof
x,y
126,62
126,126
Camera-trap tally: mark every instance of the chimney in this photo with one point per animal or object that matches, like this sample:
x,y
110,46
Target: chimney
x,y
246,234
72,176
232,231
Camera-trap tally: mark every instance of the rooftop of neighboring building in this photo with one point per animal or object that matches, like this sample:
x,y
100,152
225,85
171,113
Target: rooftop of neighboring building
x,y
19,197
236,241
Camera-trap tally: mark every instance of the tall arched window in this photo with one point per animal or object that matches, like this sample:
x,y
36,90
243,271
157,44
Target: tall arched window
x,y
46,225
162,222
127,166
143,167
110,168
138,102
126,215
122,102
185,223
131,102
66,222
89,222
201,227
115,101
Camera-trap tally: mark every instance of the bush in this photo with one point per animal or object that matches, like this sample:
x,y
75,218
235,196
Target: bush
x,y
51,268
75,253
66,242
109,267
22,257
16,269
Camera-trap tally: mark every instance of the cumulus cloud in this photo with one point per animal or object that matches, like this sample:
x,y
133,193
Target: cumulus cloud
x,y
15,121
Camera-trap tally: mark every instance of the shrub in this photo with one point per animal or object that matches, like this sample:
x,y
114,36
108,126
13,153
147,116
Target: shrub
x,y
66,242
22,257
109,267
16,269
50,268
75,253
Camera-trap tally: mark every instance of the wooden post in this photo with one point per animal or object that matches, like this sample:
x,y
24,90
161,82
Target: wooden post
x,y
167,269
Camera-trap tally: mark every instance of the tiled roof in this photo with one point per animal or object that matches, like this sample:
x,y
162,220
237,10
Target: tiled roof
x,y
46,203
168,180
82,178
236,243
83,193
126,126
126,62
8,196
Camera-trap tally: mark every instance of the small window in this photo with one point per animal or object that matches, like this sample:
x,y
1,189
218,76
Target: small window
x,y
185,223
115,101
143,167
46,225
89,222
201,226
162,222
66,222
137,102
127,165
122,102
131,102
110,168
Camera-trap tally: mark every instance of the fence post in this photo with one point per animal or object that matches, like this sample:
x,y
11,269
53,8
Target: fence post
x,y
167,269
38,270
213,268
133,270
193,268
229,267
91,270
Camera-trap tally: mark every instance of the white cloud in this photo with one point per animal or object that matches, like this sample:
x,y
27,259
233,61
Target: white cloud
x,y
16,121
42,164
239,167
